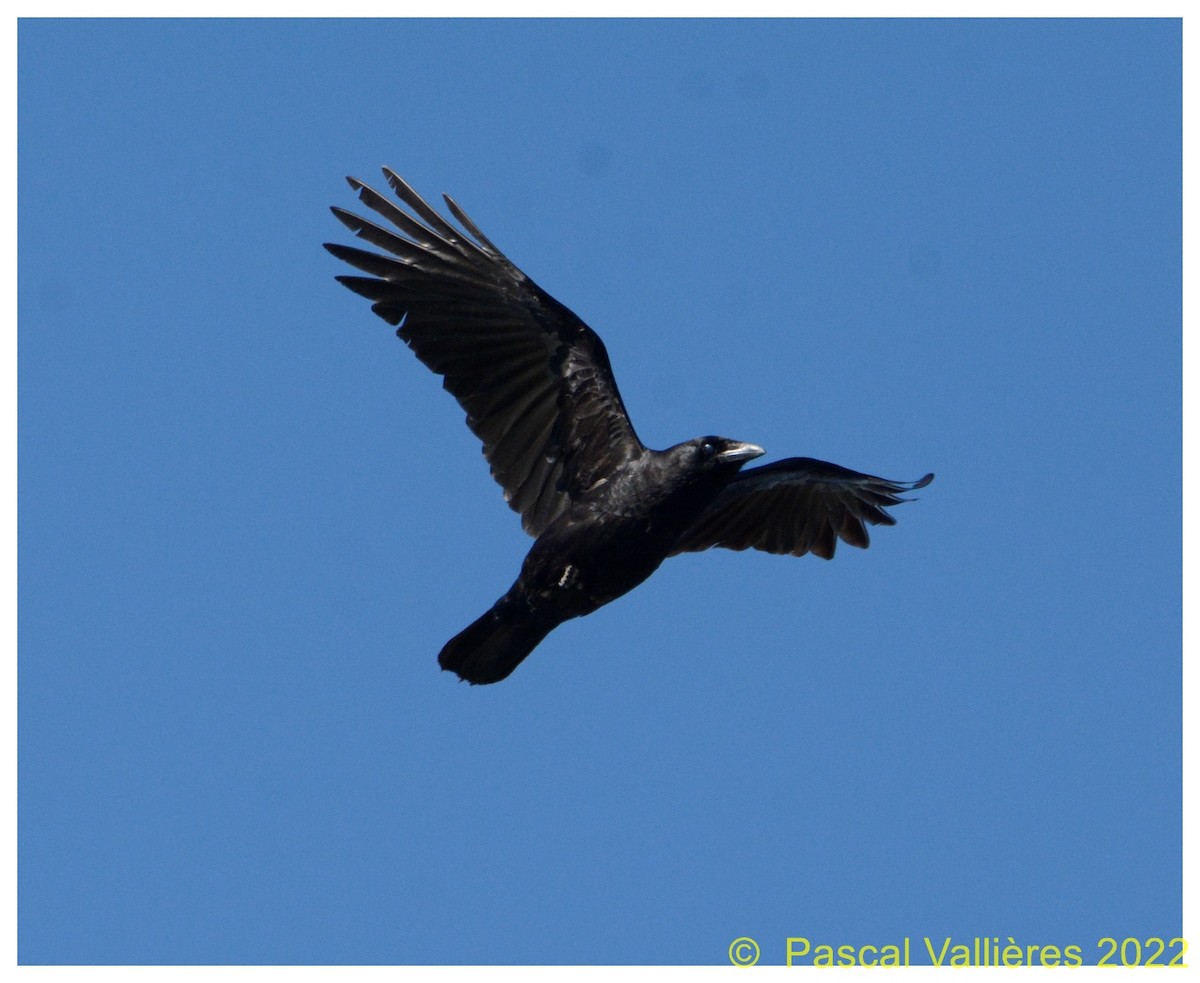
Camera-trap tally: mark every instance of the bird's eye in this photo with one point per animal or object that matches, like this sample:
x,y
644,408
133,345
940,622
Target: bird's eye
x,y
708,449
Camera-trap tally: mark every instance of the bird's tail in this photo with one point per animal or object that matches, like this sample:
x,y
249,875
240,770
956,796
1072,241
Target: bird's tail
x,y
494,645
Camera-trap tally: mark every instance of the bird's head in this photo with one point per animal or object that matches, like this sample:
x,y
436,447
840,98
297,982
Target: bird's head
x,y
720,453
702,466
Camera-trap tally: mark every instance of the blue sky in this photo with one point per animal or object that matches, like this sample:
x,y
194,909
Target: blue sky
x,y
249,518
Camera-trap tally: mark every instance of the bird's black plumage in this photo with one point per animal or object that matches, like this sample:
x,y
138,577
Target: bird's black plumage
x,y
539,392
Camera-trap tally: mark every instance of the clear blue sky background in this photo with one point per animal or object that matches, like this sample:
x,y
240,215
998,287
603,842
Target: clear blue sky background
x,y
249,518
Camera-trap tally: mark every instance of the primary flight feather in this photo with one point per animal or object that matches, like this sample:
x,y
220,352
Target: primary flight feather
x,y
539,392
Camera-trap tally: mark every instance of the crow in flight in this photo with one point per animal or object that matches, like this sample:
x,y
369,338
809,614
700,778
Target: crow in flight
x,y
538,390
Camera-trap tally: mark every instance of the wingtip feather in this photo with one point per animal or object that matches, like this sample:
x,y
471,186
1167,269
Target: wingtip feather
x,y
348,219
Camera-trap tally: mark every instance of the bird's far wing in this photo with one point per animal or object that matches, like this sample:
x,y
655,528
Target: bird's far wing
x,y
534,380
796,506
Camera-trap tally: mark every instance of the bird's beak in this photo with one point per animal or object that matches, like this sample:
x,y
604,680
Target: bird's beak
x,y
740,452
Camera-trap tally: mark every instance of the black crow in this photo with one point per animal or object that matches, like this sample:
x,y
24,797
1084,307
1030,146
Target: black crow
x,y
539,392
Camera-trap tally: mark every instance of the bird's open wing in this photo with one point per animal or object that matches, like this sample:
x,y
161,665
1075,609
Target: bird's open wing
x,y
796,506
534,379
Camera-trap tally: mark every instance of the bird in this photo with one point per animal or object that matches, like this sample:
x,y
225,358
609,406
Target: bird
x,y
539,392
